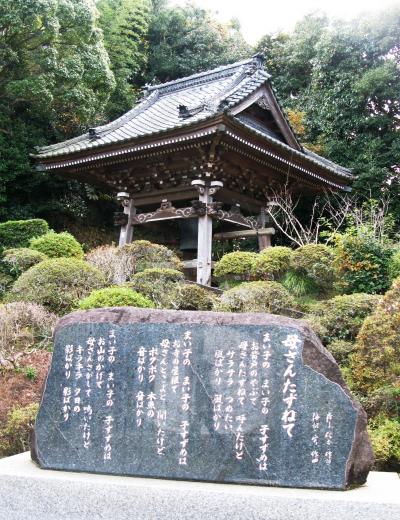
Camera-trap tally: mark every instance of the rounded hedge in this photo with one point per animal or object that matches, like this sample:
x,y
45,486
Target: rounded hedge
x,y
16,434
376,361
341,350
115,297
19,260
316,263
147,255
342,317
235,265
385,439
58,245
394,265
272,263
158,284
191,297
257,297
18,233
58,284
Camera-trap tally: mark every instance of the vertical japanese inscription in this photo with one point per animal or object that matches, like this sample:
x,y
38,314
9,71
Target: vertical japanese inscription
x,y
89,376
165,393
322,438
289,391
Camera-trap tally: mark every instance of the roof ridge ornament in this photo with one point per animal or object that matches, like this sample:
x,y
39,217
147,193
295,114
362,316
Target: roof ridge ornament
x,y
259,60
185,112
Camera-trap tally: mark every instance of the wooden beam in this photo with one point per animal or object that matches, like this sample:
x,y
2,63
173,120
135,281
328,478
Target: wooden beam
x,y
248,233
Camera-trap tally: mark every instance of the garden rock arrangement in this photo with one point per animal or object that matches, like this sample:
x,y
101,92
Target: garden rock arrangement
x,y
351,303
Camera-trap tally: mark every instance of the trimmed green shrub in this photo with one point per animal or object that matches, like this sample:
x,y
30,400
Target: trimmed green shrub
x,y
15,436
19,260
159,285
24,326
58,284
342,316
236,266
316,325
384,400
394,265
314,264
341,351
6,280
376,361
148,255
362,264
385,439
272,263
57,245
257,297
115,297
18,233
191,297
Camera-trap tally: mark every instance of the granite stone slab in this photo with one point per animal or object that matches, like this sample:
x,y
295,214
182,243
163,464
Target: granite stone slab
x,y
243,398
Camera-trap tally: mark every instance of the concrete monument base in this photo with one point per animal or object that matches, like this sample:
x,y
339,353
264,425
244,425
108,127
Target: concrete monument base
x,y
27,492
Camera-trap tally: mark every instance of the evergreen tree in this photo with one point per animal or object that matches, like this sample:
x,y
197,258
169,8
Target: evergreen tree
x,y
186,40
125,26
341,84
55,79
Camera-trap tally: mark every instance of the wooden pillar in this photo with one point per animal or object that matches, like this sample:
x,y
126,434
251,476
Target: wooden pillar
x,y
264,239
126,233
204,234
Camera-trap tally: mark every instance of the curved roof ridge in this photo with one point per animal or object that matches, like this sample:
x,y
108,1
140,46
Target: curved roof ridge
x,y
194,79
101,130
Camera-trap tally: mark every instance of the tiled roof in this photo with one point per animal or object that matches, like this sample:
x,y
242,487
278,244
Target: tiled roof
x,y
181,103
201,96
311,156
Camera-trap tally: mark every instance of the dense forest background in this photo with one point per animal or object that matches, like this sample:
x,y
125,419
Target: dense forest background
x,y
66,65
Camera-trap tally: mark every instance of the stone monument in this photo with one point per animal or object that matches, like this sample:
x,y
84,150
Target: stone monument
x,y
220,397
